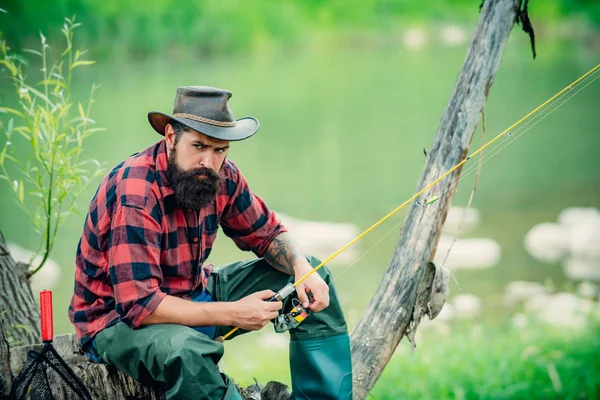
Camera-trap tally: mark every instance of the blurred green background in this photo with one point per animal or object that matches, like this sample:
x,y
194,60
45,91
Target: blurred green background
x,y
348,94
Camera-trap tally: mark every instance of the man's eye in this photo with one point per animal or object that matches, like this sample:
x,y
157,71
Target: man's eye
x,y
220,151
198,146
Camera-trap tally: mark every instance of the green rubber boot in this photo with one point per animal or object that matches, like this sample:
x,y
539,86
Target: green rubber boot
x,y
232,392
321,368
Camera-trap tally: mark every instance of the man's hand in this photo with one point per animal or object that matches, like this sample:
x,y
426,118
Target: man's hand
x,y
313,284
253,312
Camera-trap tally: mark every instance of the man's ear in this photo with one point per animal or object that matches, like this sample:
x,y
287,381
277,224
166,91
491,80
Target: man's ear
x,y
170,136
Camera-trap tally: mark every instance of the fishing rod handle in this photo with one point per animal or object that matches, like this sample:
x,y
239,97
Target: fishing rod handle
x,y
46,316
283,293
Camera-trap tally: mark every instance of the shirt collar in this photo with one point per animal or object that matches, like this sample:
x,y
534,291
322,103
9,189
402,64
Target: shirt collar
x,y
162,160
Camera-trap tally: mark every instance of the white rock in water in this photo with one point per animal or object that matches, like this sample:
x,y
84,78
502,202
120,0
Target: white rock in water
x,y
537,303
562,310
414,38
46,278
577,215
521,290
467,305
587,290
583,228
453,35
520,320
584,240
322,239
468,253
581,269
569,310
470,220
547,242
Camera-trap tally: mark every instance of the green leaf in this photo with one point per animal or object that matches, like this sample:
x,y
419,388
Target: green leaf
x,y
93,130
3,10
10,66
82,113
53,82
20,58
21,192
10,127
19,326
37,53
40,95
3,155
82,62
11,111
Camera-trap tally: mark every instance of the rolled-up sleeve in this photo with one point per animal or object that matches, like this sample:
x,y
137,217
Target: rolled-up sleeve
x,y
246,218
134,264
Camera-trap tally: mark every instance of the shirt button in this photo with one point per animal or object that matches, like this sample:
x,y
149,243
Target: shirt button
x,y
195,240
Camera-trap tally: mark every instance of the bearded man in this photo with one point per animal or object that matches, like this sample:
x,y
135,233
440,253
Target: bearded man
x,y
146,302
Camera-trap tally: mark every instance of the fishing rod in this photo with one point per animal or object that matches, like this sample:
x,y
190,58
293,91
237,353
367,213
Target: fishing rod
x,y
288,289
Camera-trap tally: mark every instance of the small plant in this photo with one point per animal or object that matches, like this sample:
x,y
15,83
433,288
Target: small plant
x,y
10,339
48,172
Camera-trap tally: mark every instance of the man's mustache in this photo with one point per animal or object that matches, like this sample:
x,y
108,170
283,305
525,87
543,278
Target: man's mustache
x,y
208,173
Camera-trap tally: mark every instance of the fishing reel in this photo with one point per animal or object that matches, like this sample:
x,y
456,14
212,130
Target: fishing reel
x,y
296,315
292,319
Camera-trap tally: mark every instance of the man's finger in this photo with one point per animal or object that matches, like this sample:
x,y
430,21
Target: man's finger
x,y
274,305
326,296
265,294
273,315
315,300
321,300
302,295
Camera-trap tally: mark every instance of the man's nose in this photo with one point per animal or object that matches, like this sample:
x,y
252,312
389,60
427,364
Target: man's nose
x,y
207,163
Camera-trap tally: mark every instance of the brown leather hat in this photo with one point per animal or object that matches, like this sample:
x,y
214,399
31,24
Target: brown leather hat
x,y
205,109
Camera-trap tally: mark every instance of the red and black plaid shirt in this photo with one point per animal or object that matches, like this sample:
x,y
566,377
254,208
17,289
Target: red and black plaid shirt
x,y
138,246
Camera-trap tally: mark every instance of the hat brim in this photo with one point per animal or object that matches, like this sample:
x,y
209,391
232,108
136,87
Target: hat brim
x,y
243,129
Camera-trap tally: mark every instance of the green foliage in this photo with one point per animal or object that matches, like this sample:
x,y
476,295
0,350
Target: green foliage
x,y
133,28
587,8
10,339
497,363
47,181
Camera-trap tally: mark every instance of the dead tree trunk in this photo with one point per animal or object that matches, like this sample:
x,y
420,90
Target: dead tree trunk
x,y
393,310
16,299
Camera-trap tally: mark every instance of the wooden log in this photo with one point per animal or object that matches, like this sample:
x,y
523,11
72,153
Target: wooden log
x,y
106,382
6,377
392,312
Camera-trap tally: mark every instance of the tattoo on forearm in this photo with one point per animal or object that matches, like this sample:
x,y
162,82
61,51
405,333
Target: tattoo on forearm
x,y
281,254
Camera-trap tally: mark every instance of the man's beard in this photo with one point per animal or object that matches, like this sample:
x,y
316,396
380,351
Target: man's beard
x,y
191,190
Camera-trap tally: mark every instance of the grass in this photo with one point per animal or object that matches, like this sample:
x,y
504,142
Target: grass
x,y
483,363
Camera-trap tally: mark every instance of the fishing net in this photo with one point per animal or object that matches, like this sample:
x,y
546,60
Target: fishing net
x,y
45,375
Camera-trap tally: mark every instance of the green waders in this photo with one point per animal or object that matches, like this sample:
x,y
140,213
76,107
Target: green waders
x,y
184,361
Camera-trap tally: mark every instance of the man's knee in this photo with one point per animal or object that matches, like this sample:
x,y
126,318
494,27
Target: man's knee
x,y
185,345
